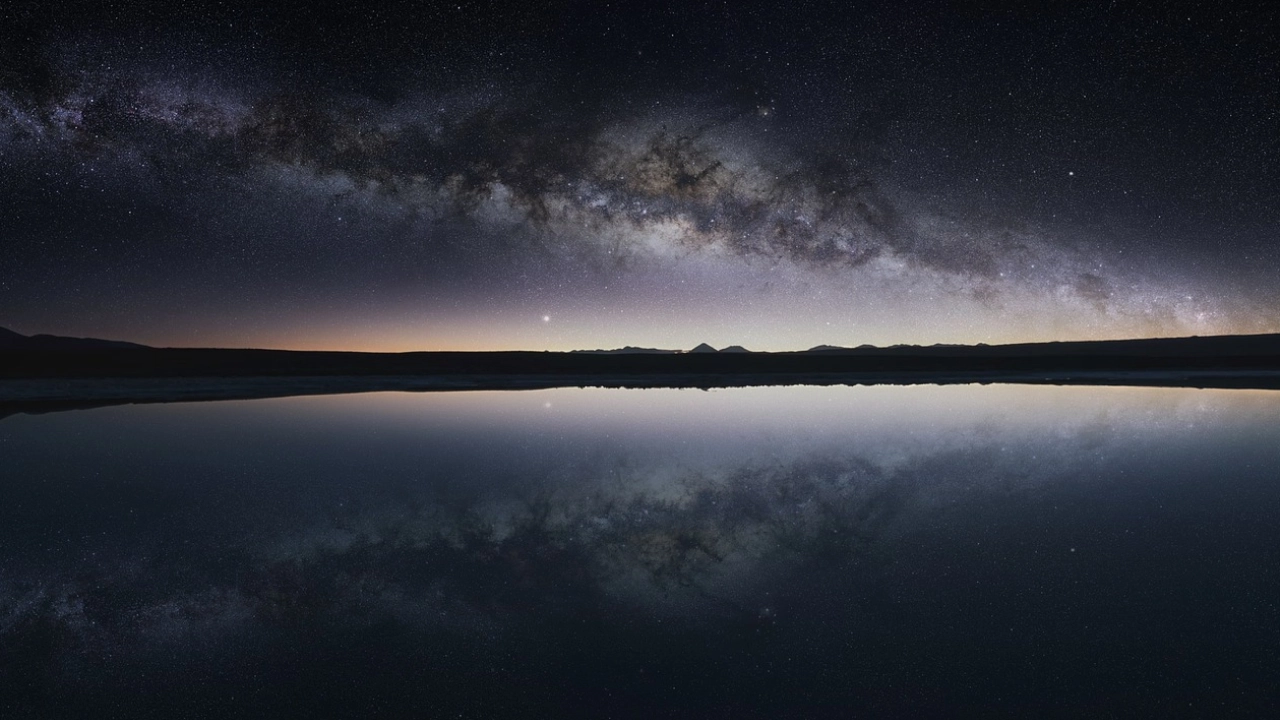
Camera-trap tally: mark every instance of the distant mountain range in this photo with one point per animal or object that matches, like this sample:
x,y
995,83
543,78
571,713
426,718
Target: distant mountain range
x,y
632,350
629,350
1214,349
10,340
703,348
117,368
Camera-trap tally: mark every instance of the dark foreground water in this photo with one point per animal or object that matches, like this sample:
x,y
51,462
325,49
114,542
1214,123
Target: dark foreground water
x,y
767,552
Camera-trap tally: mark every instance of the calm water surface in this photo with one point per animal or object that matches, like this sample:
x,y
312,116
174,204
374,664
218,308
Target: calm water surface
x,y
760,552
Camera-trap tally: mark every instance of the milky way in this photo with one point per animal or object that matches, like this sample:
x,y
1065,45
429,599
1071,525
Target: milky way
x,y
184,182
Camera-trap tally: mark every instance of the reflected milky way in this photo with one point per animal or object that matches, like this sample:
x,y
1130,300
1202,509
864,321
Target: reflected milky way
x,y
499,539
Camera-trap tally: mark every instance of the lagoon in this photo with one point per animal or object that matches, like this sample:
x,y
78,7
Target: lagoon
x,y
744,552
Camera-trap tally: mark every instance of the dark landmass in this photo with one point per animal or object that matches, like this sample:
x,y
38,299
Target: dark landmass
x,y
628,350
58,373
10,340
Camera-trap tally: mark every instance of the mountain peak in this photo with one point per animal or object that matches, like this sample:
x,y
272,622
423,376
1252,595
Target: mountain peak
x,y
628,350
703,348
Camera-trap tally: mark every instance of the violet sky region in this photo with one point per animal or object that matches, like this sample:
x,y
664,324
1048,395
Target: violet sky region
x,y
562,175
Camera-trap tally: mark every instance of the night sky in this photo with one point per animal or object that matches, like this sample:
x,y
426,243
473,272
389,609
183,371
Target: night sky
x,y
560,175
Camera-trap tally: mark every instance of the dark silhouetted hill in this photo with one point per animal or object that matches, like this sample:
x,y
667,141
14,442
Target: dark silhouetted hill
x,y
10,340
628,350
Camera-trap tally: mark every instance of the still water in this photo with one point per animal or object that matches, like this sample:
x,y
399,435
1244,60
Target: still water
x,y
755,552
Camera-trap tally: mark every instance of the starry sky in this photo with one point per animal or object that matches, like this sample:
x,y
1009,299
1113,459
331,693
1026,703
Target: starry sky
x,y
570,174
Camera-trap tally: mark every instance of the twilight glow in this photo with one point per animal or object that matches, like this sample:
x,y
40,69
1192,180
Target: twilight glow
x,y
579,176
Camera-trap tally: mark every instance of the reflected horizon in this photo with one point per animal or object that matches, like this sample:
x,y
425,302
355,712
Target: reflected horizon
x,y
898,549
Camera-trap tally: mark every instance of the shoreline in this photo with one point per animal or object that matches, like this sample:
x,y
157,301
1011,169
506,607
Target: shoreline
x,y
40,395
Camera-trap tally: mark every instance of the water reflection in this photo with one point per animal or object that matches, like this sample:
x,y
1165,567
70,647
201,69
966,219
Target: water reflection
x,y
734,552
